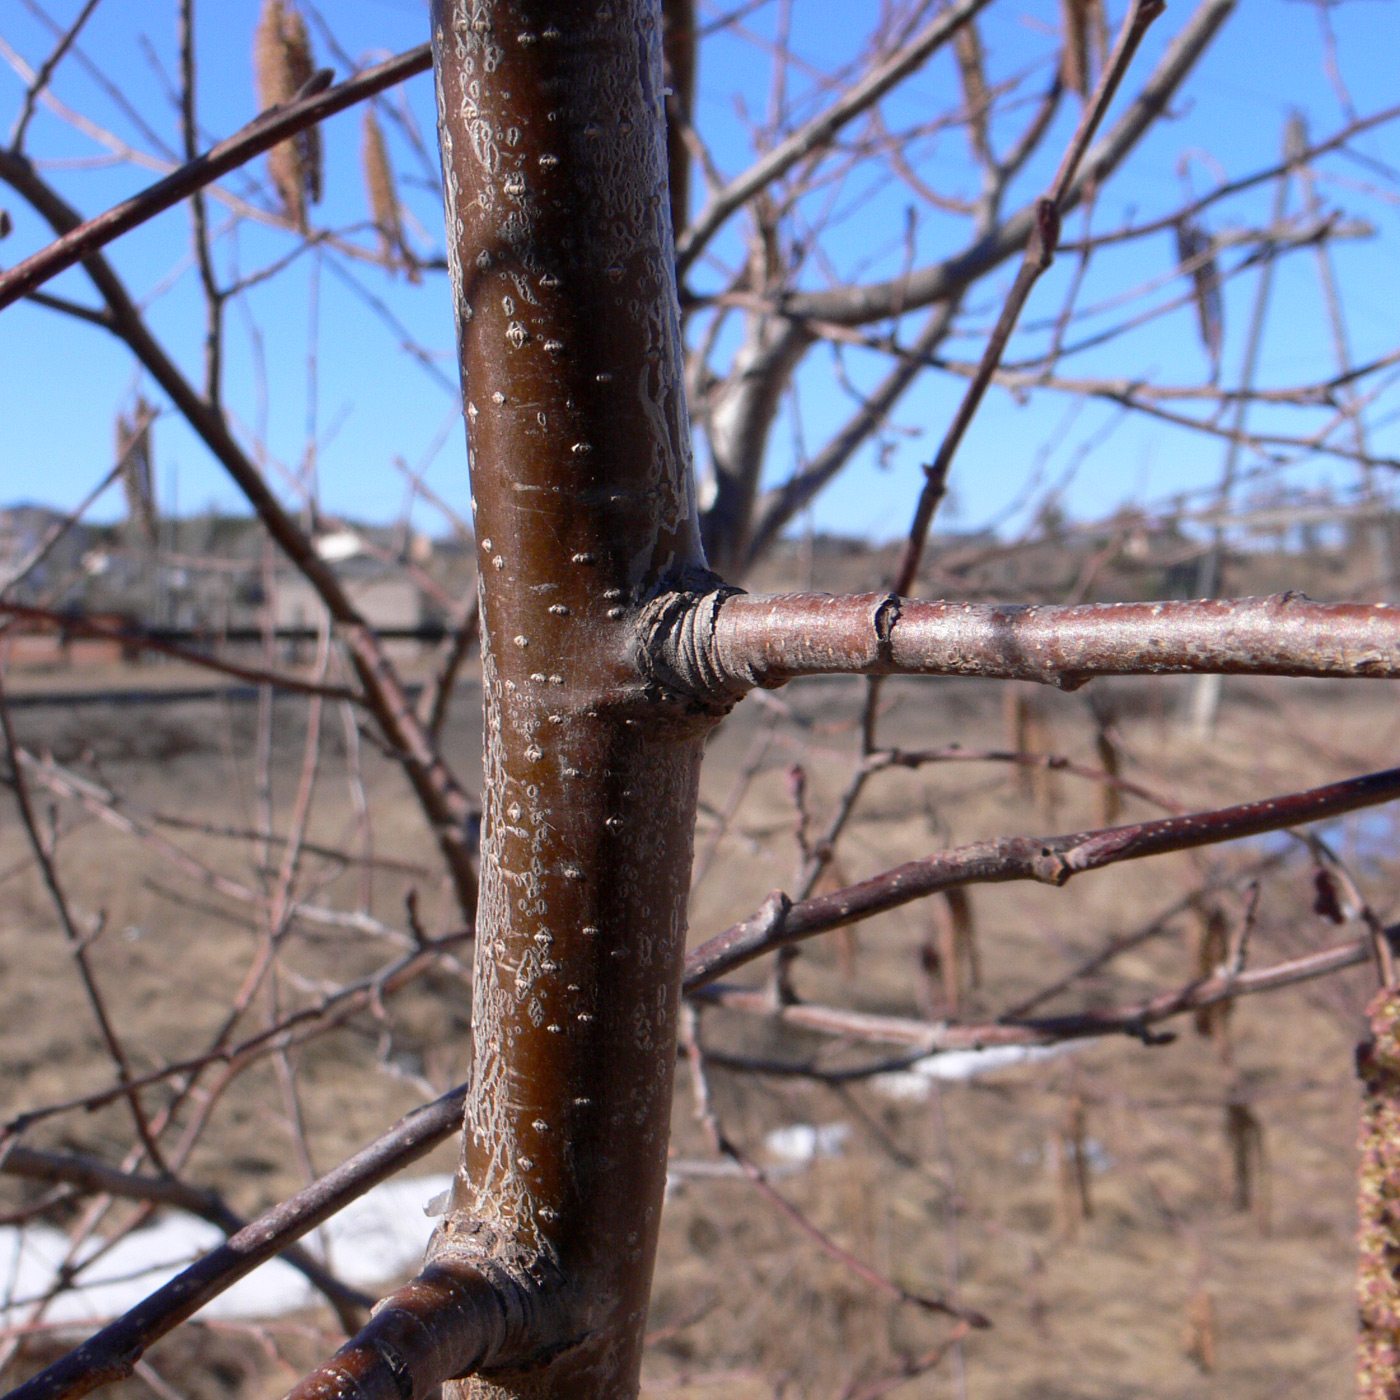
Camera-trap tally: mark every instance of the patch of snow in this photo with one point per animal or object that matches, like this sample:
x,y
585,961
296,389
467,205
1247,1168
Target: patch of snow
x,y
338,545
806,1142
916,1081
370,1243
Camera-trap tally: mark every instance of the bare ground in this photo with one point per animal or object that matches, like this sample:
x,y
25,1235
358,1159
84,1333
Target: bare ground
x,y
959,1194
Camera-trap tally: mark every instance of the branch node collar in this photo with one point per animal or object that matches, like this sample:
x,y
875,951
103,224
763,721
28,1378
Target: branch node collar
x,y
675,645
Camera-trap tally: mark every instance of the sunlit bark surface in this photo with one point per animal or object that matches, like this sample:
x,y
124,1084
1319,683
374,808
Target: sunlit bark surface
x,y
555,165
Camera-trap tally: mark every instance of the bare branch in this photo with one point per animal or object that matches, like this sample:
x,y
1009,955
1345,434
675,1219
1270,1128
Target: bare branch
x,y
46,71
721,645
1134,1019
453,1319
854,305
1050,860
1040,252
445,803
139,639
89,1174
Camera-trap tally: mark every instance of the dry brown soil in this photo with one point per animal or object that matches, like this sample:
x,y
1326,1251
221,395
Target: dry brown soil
x,y
958,1194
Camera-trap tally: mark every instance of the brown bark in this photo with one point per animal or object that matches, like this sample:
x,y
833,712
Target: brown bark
x,y
555,168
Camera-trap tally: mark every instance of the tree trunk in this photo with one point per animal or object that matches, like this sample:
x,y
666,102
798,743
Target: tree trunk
x,y
555,170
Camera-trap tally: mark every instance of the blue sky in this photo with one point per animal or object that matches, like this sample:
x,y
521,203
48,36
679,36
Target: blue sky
x,y
64,381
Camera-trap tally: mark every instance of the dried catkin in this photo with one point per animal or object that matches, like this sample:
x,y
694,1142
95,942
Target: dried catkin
x,y
134,454
1212,945
1378,1235
382,192
1074,58
1198,1337
1016,712
1248,1161
1030,738
1073,1205
1195,258
967,49
1085,41
282,66
1110,796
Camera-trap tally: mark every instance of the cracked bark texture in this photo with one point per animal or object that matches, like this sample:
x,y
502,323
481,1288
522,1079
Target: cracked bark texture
x,y
554,154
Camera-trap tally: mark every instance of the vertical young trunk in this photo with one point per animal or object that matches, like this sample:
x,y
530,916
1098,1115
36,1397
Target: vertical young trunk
x,y
554,160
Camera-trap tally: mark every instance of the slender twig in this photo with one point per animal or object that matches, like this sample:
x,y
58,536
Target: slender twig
x,y
76,939
448,807
46,543
139,639
436,696
705,1114
1123,943
90,1175
1040,252
199,222
332,1008
46,71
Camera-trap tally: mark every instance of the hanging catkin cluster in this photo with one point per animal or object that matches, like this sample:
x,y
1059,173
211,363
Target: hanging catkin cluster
x,y
383,197
282,65
1378,1240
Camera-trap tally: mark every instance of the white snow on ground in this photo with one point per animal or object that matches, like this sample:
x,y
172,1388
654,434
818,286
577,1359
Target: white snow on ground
x,y
378,1238
370,1243
916,1081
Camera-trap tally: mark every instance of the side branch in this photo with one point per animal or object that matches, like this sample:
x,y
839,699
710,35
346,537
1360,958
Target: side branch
x,y
112,1353
453,1320
718,647
1052,860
